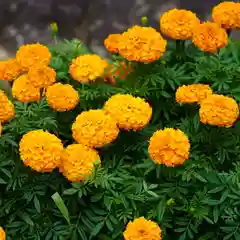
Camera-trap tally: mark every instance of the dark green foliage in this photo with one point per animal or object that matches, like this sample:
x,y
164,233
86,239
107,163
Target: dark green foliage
x,y
200,200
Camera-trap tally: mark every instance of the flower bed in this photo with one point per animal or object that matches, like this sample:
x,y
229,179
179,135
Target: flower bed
x,y
142,146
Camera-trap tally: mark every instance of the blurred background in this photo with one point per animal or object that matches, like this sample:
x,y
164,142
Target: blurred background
x,y
27,21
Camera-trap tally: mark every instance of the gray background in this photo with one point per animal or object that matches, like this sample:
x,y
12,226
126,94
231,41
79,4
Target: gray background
x,y
27,21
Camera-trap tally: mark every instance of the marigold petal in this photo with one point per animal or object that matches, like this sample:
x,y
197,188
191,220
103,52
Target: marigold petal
x,y
142,44
141,229
24,91
94,128
131,113
178,24
77,162
40,150
227,15
41,76
193,93
219,110
7,110
31,55
169,147
62,97
209,37
87,68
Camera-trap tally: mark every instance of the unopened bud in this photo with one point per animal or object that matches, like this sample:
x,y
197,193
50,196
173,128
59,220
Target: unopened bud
x,y
144,21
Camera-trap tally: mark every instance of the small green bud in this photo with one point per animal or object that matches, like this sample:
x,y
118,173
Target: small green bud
x,y
144,21
54,28
170,202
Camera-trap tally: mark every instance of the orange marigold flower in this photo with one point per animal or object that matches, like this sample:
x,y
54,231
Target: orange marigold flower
x,y
94,128
169,147
227,15
24,91
193,93
141,229
62,97
112,42
209,37
30,55
10,69
41,76
7,110
219,110
2,234
87,68
77,162
40,150
131,113
178,24
142,44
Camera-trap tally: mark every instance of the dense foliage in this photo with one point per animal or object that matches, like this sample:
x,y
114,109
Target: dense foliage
x,y
199,200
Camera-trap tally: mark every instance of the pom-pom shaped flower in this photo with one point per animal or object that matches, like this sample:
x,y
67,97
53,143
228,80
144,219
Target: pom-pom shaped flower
x,y
131,113
178,24
40,150
112,42
41,76
169,147
227,15
2,234
142,44
77,162
30,55
10,69
7,110
87,68
24,91
142,229
209,37
193,93
62,97
219,110
94,128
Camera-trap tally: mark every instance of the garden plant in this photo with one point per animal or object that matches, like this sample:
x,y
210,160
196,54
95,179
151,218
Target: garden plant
x,y
144,145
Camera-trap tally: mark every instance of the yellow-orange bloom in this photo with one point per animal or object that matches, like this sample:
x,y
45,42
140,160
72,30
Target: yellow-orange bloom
x,y
7,110
23,91
219,110
169,147
10,69
193,93
178,24
30,55
41,76
2,234
209,37
94,128
142,229
142,44
131,113
112,42
62,97
77,162
227,15
40,150
0,133
87,68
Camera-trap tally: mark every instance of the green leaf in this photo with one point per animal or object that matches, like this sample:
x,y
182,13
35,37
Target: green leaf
x,y
70,191
96,229
61,206
37,204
